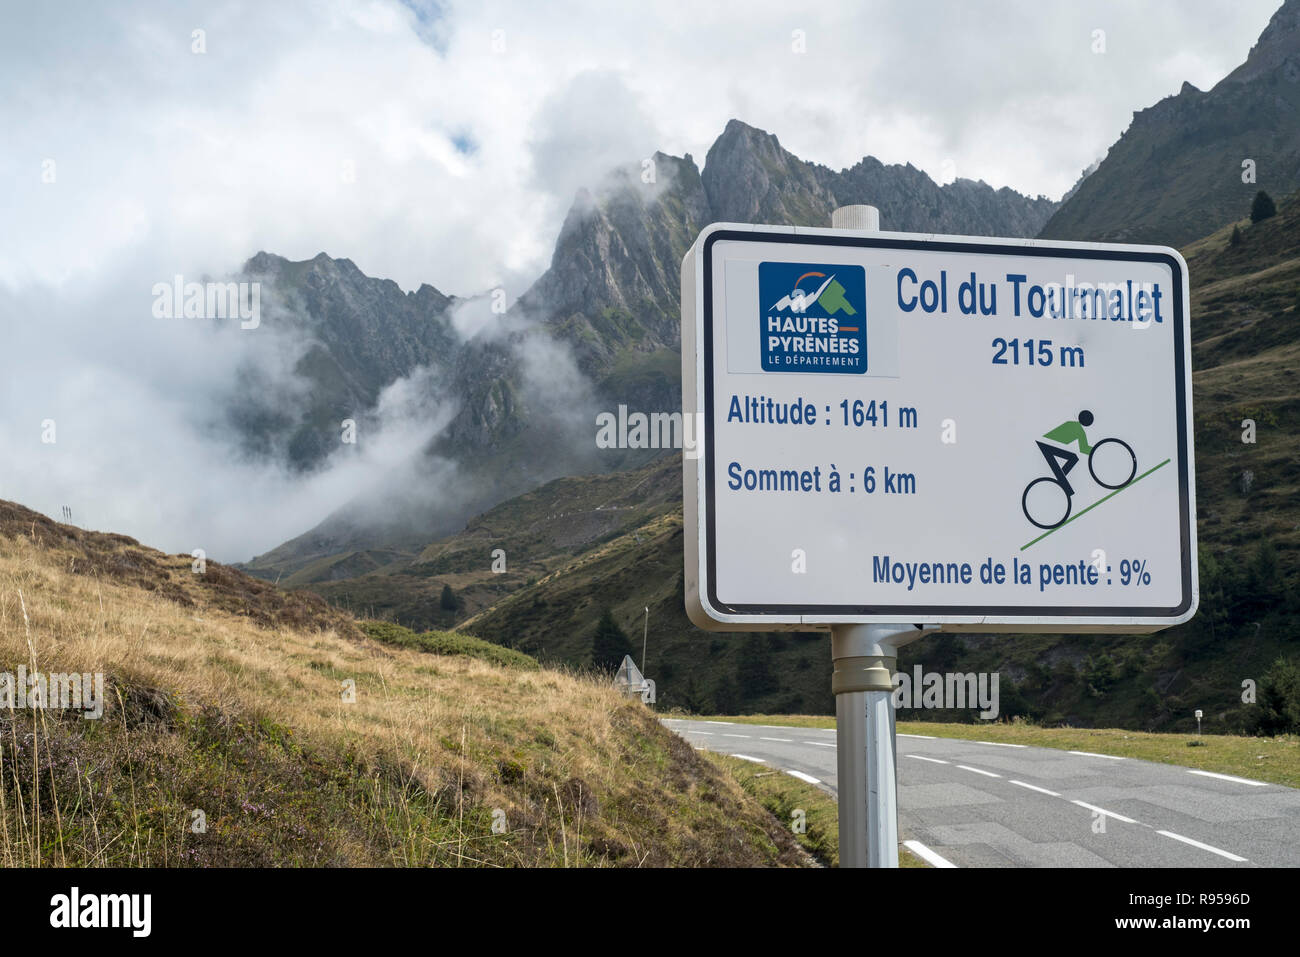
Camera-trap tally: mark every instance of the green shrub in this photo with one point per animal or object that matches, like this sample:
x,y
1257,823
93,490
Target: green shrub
x,y
448,643
448,601
1279,698
1262,208
610,644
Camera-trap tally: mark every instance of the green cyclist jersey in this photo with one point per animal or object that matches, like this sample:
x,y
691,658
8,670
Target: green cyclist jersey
x,y
1067,433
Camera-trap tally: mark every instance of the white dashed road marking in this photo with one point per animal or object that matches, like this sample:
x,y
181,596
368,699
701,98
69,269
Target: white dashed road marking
x,y
1204,847
1089,754
1102,810
746,757
1035,787
1229,777
922,757
987,774
802,777
927,855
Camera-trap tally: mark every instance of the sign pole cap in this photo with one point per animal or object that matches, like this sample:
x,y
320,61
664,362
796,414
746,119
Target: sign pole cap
x,y
863,218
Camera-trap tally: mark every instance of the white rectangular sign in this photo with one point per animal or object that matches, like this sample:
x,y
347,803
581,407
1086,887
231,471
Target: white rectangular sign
x,y
980,434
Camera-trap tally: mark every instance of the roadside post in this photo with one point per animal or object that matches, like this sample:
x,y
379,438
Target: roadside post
x,y
891,435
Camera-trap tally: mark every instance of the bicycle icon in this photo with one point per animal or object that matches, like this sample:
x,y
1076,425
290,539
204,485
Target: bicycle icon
x,y
1055,494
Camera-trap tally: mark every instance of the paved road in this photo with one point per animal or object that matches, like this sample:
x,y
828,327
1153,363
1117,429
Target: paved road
x,y
980,804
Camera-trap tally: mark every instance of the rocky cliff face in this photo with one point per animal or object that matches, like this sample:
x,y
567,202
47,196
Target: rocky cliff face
x,y
359,334
611,294
608,304
1177,174
614,283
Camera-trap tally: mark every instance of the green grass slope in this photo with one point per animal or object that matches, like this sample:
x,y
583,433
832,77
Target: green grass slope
x,y
535,533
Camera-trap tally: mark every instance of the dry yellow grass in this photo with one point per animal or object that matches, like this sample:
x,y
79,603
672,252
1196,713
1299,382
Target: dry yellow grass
x,y
433,746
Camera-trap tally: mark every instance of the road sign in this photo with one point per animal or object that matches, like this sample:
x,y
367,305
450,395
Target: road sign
x,y
629,680
963,432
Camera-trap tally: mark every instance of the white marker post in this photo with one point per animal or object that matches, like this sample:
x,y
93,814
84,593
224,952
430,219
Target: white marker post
x,y
826,377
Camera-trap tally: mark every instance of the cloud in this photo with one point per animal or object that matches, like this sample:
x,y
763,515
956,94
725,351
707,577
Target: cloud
x,y
344,126
136,408
590,126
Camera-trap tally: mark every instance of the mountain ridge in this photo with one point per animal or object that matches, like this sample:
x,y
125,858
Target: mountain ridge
x,y
1194,160
610,298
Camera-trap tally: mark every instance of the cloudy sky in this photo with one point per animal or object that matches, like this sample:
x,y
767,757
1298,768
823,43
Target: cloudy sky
x,y
441,142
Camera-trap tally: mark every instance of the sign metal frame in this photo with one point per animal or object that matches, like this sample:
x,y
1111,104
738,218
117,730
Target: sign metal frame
x,y
704,607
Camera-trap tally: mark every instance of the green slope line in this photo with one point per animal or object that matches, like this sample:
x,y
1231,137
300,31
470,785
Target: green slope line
x,y
1095,504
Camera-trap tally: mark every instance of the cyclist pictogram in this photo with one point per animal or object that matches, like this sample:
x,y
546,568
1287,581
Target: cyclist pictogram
x,y
1047,501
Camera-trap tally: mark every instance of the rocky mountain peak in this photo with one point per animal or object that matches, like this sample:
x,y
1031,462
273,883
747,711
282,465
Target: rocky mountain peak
x,y
1178,172
1278,44
612,282
749,178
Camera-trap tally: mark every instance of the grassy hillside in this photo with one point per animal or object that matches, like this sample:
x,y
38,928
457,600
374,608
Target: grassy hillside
x,y
535,532
555,619
1246,352
294,738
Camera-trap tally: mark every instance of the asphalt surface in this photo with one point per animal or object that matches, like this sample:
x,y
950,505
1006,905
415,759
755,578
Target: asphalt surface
x,y
980,804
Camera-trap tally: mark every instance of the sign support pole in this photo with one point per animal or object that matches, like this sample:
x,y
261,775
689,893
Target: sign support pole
x,y
864,657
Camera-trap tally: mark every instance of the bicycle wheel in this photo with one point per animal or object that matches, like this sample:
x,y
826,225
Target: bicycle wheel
x,y
1132,464
1045,505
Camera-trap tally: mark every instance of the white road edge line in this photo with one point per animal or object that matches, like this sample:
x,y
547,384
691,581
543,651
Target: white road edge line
x,y
820,744
1090,754
1102,810
1035,787
1002,744
989,774
746,757
801,776
1229,777
922,757
782,740
927,855
1204,847
927,737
